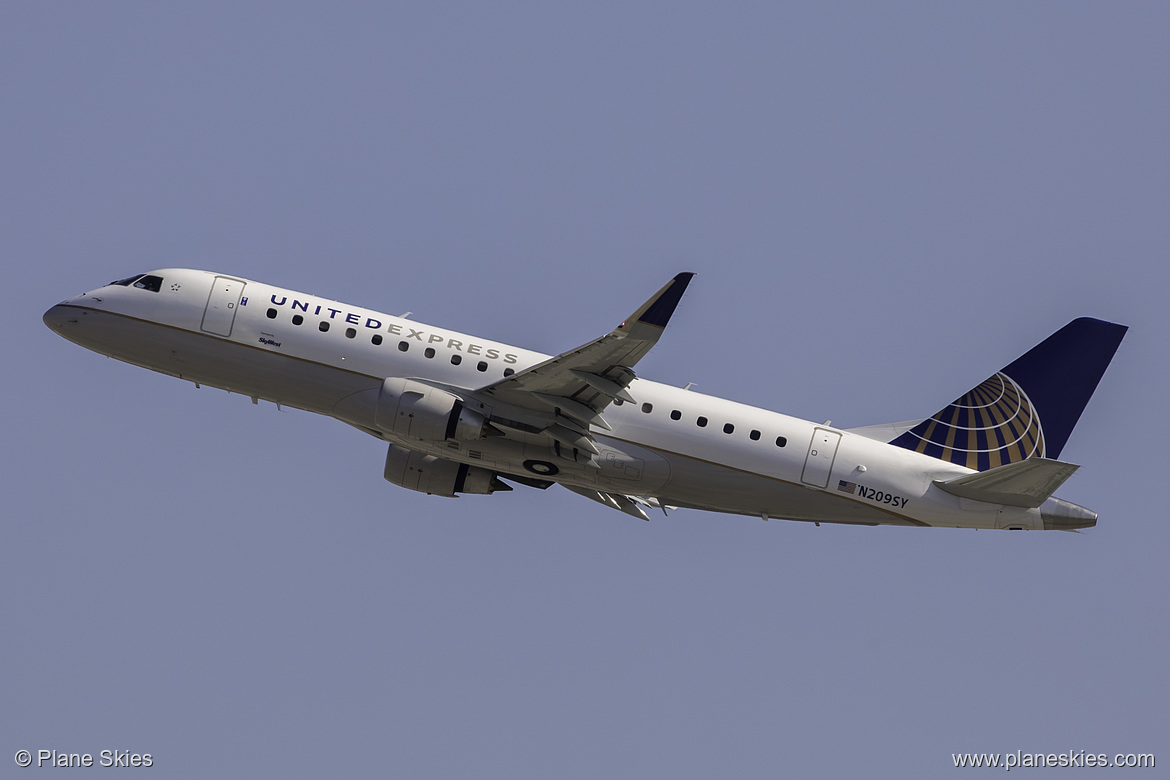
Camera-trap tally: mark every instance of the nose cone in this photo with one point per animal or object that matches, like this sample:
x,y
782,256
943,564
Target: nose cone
x,y
59,317
69,320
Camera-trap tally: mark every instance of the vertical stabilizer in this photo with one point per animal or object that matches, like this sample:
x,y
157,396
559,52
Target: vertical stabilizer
x,y
1026,410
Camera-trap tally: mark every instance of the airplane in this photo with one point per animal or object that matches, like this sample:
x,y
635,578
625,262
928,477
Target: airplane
x,y
466,415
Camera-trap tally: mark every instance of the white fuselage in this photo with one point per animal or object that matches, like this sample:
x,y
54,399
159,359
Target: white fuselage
x,y
683,448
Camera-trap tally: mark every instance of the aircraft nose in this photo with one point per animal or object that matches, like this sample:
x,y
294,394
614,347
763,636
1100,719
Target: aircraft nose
x,y
60,316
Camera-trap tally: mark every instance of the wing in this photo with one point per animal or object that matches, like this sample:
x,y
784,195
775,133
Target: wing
x,y
565,395
630,505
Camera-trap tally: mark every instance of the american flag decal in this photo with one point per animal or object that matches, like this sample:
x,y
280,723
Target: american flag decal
x,y
847,487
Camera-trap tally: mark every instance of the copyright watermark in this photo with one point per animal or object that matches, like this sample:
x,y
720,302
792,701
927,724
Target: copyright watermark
x,y
1070,758
106,758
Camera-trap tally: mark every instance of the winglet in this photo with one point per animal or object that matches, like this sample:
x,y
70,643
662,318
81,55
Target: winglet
x,y
657,311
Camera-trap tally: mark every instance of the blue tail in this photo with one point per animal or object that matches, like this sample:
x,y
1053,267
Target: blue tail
x,y
1026,410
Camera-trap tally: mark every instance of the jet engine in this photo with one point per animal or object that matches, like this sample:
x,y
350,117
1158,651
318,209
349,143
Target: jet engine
x,y
415,410
437,476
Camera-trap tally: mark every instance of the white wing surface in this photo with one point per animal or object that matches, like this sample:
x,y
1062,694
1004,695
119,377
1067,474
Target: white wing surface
x,y
565,395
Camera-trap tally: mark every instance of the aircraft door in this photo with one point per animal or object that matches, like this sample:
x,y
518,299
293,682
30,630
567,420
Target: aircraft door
x,y
821,453
220,314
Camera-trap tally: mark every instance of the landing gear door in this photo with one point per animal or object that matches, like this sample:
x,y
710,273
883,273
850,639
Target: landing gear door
x,y
821,453
220,314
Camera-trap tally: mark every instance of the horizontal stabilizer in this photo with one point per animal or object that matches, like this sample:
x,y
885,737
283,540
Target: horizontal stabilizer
x,y
1025,483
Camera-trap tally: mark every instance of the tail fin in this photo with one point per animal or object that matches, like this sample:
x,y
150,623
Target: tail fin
x,y
1026,410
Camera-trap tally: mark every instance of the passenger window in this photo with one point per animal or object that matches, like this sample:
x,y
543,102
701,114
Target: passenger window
x,y
350,333
376,339
298,319
728,428
429,352
676,415
271,314
781,441
647,408
701,422
509,371
403,346
481,366
754,435
323,326
456,359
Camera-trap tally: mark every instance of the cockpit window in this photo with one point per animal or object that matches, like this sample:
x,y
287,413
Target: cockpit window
x,y
141,281
148,282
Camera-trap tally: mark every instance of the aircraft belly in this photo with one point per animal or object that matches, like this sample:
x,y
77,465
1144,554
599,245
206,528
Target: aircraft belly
x,y
697,484
218,362
627,468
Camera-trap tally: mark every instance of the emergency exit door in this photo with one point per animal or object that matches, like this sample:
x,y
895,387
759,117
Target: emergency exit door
x,y
220,313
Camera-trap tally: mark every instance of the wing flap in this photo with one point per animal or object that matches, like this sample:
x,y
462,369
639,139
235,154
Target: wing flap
x,y
571,408
572,439
603,385
625,504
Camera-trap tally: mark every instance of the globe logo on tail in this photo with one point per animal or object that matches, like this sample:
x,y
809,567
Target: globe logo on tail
x,y
991,425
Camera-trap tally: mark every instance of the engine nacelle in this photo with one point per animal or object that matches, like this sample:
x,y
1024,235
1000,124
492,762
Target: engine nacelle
x,y
437,476
418,411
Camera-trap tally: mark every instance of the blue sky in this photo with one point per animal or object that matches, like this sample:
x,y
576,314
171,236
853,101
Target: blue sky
x,y
884,205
